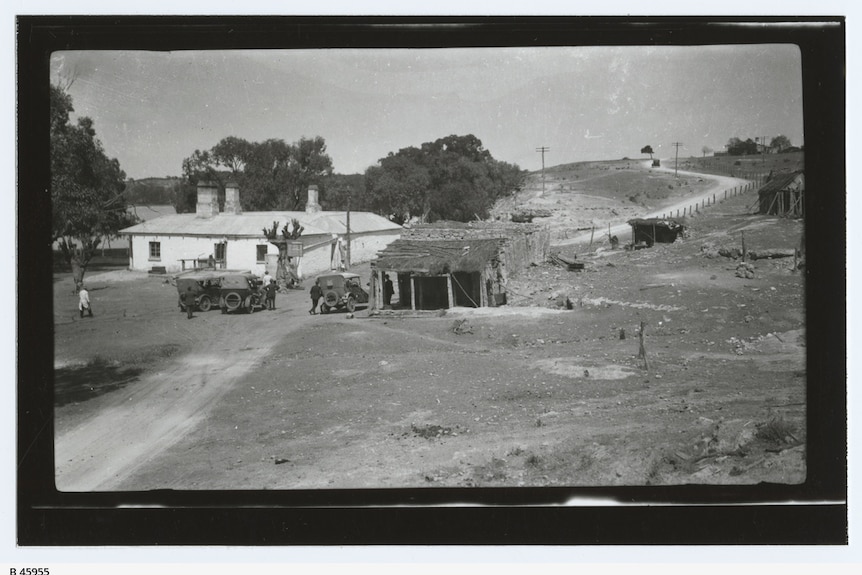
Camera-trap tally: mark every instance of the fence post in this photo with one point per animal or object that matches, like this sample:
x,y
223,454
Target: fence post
x,y
725,194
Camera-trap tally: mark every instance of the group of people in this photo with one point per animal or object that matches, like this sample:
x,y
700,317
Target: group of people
x,y
269,286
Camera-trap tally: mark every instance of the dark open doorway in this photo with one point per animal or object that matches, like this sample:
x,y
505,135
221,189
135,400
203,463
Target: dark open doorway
x,y
431,292
466,287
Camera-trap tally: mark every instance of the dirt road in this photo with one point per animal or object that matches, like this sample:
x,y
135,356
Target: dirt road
x,y
134,425
623,230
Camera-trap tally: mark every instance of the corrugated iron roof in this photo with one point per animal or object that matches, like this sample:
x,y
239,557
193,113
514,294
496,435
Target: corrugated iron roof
x,y
661,222
438,256
779,182
251,224
149,212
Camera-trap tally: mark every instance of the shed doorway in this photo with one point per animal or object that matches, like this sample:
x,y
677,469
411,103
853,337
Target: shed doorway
x,y
466,287
432,292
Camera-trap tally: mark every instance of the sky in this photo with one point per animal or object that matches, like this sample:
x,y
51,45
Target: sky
x,y
153,109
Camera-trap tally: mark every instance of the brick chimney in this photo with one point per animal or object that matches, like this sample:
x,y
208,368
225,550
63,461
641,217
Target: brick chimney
x,y
231,199
207,205
312,207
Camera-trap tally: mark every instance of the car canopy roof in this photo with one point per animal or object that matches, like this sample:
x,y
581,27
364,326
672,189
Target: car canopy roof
x,y
201,276
344,275
237,280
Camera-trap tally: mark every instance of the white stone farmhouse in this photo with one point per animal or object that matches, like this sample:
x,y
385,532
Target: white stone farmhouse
x,y
235,239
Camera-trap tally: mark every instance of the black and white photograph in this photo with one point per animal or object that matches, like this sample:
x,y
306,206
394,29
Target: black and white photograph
x,y
340,270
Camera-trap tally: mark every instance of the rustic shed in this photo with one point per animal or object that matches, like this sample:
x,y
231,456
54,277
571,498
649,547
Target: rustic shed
x,y
653,230
783,195
441,274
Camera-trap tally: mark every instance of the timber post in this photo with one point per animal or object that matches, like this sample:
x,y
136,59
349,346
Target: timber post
x,y
642,349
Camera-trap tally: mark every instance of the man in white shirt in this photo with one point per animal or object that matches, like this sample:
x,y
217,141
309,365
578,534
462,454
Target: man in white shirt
x,y
84,302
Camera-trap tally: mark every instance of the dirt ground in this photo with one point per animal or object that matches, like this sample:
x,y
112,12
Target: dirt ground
x,y
546,391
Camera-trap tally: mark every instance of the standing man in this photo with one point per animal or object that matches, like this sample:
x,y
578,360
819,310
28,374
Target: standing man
x,y
189,301
270,294
316,293
267,279
388,290
84,302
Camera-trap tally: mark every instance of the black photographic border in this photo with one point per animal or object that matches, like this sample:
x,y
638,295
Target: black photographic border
x,y
814,512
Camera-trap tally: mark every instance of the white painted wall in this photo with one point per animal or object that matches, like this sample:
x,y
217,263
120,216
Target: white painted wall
x,y
363,247
242,252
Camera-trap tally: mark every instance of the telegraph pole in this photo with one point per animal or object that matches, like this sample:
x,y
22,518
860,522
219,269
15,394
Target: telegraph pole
x,y
543,149
676,161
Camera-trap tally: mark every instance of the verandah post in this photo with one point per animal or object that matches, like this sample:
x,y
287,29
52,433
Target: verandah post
x,y
449,292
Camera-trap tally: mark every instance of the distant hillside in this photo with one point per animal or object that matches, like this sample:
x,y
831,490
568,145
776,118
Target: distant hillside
x,y
743,166
150,190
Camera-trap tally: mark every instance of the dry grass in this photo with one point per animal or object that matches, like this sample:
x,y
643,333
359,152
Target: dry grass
x,y
777,431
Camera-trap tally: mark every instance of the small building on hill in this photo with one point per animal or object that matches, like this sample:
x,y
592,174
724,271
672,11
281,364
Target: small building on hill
x,y
454,264
233,239
655,230
783,195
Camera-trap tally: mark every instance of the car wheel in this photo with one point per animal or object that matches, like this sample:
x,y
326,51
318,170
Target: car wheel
x,y
330,298
232,301
324,308
205,304
351,305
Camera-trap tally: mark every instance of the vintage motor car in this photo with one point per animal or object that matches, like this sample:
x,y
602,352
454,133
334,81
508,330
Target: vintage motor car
x,y
240,292
341,290
206,286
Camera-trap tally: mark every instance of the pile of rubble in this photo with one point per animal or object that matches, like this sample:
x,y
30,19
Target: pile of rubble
x,y
745,270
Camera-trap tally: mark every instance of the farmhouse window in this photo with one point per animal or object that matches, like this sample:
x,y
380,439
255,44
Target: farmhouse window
x,y
261,254
155,250
220,250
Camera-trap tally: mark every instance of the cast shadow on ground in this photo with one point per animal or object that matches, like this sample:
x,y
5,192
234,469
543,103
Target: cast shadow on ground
x,y
75,384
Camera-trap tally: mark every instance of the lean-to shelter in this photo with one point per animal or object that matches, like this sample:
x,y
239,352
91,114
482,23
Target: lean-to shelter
x,y
783,195
441,274
655,230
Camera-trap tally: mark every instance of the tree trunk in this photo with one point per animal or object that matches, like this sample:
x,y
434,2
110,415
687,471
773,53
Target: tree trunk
x,y
282,278
77,272
77,258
